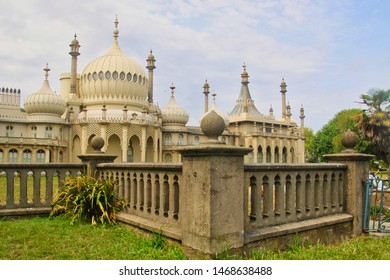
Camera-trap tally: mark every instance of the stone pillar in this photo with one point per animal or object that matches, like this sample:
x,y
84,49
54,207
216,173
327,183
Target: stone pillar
x,y
358,171
212,198
93,159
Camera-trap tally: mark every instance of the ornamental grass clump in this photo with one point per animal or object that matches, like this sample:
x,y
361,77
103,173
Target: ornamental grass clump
x,y
85,198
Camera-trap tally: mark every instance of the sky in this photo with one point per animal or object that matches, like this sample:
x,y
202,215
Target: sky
x,y
328,51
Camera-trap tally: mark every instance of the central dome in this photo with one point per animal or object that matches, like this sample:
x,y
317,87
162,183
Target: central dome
x,y
113,78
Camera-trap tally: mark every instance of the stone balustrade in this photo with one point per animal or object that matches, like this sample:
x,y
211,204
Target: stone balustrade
x,y
212,199
286,193
25,187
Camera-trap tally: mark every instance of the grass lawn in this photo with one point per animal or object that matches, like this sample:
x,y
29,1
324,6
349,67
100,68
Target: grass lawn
x,y
56,239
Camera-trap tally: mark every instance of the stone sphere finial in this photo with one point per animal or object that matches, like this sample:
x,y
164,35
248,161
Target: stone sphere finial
x,y
212,125
349,140
97,143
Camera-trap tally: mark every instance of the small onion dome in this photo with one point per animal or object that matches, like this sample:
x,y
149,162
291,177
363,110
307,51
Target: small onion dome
x,y
45,101
172,113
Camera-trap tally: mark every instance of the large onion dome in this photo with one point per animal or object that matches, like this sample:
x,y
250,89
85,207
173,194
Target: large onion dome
x,y
113,78
45,101
172,113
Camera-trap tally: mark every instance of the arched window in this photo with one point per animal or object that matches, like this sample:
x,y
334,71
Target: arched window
x,y
180,139
250,155
40,156
284,155
268,155
48,132
60,156
34,131
168,158
260,154
9,131
276,155
168,139
27,156
13,156
196,140
130,153
61,133
1,156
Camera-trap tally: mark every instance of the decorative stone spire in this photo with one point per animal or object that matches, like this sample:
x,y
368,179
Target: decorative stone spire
x,y
206,91
46,69
271,110
172,87
116,30
151,66
288,110
74,52
245,82
302,117
283,90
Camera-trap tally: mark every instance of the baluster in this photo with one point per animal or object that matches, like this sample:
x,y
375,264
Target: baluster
x,y
10,189
317,193
134,191
255,199
300,195
290,196
23,201
166,196
49,188
326,195
176,196
157,195
267,198
334,191
341,191
148,193
309,195
279,196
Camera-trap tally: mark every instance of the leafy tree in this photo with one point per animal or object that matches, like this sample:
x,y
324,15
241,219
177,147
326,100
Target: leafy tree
x,y
309,138
374,122
327,140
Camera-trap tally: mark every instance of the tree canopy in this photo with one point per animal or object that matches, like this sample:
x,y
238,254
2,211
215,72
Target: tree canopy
x,y
374,121
327,140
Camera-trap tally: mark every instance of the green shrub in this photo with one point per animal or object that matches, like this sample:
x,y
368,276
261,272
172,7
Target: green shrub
x,y
85,198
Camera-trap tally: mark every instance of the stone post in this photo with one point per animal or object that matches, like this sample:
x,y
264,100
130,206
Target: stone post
x,y
358,171
212,198
97,156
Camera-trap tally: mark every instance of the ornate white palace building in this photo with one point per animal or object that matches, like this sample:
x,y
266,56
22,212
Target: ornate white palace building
x,y
113,98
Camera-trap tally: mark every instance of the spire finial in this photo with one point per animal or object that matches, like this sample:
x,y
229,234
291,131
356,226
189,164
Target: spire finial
x,y
214,95
244,66
172,89
46,69
116,31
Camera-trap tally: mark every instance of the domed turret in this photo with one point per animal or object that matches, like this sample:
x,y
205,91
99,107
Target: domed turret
x,y
45,101
172,113
115,79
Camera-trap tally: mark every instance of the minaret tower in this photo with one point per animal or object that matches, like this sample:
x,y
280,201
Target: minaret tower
x,y
302,117
283,90
74,52
206,91
245,82
151,66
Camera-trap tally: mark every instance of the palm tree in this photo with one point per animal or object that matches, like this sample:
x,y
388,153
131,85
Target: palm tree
x,y
374,122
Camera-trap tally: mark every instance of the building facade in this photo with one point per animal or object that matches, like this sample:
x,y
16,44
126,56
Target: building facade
x,y
113,98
